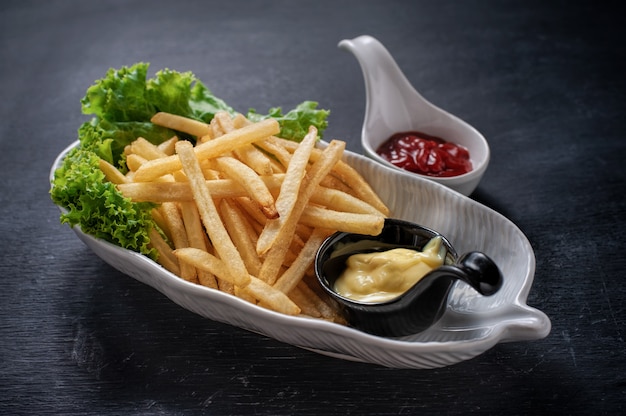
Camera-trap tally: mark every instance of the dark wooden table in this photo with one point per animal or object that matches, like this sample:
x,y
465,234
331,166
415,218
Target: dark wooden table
x,y
544,81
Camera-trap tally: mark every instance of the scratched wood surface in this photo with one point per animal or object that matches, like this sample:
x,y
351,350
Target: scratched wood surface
x,y
543,81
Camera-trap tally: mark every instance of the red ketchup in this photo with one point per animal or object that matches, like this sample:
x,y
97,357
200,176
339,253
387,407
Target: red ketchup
x,y
424,154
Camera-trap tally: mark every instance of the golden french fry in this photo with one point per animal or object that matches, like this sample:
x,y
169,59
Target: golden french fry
x,y
294,274
226,286
347,174
270,297
216,129
275,255
112,174
256,159
250,208
369,224
178,176
305,303
342,201
328,311
272,147
332,182
209,149
239,121
134,161
224,121
196,238
360,186
181,191
174,220
289,192
160,222
157,192
304,232
203,260
166,257
239,230
266,294
249,180
179,123
145,149
168,146
210,218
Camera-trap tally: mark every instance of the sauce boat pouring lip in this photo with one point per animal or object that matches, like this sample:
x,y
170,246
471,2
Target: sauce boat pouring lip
x,y
393,105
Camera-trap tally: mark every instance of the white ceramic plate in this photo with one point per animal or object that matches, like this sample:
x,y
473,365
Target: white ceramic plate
x,y
471,325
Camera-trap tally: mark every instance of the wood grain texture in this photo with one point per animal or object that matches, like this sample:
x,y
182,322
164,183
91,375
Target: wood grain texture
x,y
543,81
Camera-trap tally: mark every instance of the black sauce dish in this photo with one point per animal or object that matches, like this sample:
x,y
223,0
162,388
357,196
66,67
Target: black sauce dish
x,y
424,303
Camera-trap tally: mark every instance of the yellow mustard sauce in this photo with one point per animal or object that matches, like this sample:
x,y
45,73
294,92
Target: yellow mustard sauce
x,y
381,276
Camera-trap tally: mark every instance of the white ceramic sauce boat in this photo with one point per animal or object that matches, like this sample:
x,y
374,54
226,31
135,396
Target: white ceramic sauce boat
x,y
393,106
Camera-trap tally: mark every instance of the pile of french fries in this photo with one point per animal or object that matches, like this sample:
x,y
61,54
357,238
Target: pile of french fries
x,y
244,211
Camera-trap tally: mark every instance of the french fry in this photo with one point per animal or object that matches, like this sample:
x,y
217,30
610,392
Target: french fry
x,y
333,182
203,260
279,152
256,159
369,224
266,294
168,146
240,231
249,180
362,189
157,192
305,303
326,309
248,154
224,121
196,238
342,201
145,149
250,208
179,123
275,255
289,192
134,162
175,224
217,128
112,174
181,191
160,222
208,212
294,274
209,149
166,257
347,174
272,298
239,121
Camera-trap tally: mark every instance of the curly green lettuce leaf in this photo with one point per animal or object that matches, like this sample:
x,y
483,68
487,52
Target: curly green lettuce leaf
x,y
107,139
122,104
183,94
295,124
97,207
127,95
120,96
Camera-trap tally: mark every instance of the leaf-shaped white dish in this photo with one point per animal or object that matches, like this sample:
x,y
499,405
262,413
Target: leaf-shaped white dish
x,y
471,325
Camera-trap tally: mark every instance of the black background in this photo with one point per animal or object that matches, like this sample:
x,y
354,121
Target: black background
x,y
544,81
